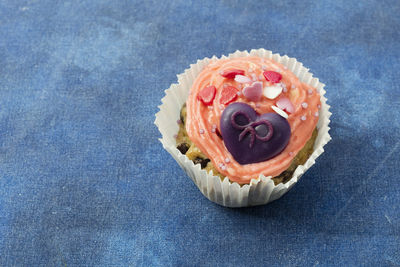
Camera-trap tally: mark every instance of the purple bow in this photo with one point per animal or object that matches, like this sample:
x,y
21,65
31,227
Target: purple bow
x,y
250,128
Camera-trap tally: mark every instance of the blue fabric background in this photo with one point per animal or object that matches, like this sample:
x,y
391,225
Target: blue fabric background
x,y
84,180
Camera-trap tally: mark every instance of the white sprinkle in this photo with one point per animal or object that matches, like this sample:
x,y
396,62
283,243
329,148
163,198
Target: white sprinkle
x,y
221,106
242,79
260,77
250,70
290,153
310,91
285,90
264,67
214,126
239,93
210,107
220,165
316,114
213,130
201,131
271,92
303,118
280,112
227,160
304,105
223,167
319,106
254,77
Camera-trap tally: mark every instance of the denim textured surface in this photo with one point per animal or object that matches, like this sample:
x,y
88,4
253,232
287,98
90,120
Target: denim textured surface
x,y
84,180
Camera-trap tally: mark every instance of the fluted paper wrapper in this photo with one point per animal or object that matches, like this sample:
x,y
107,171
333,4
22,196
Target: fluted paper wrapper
x,y
224,192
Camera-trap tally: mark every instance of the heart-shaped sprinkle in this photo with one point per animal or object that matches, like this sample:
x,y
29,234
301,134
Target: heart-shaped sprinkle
x,y
231,73
280,112
271,92
253,92
250,137
285,104
207,95
272,76
228,95
242,79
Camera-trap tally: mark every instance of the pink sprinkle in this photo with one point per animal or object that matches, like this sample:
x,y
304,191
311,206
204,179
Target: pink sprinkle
x,y
290,153
258,105
201,131
227,160
316,114
304,105
179,122
175,136
285,104
303,118
310,91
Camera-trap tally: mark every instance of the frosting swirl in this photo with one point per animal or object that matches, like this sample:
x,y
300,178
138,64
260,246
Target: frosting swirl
x,y
202,119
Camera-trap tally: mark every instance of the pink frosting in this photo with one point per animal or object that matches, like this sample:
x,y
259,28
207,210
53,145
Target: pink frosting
x,y
201,118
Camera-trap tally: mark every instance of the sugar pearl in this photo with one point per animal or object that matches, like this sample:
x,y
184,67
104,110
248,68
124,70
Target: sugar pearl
x,y
304,105
227,160
303,118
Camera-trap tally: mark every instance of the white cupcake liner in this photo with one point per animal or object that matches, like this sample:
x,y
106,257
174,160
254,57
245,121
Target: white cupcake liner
x,y
224,192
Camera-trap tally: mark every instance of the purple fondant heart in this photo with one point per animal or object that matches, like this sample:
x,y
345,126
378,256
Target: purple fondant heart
x,y
250,137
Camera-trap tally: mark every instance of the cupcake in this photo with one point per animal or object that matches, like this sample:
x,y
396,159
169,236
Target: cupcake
x,y
248,125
